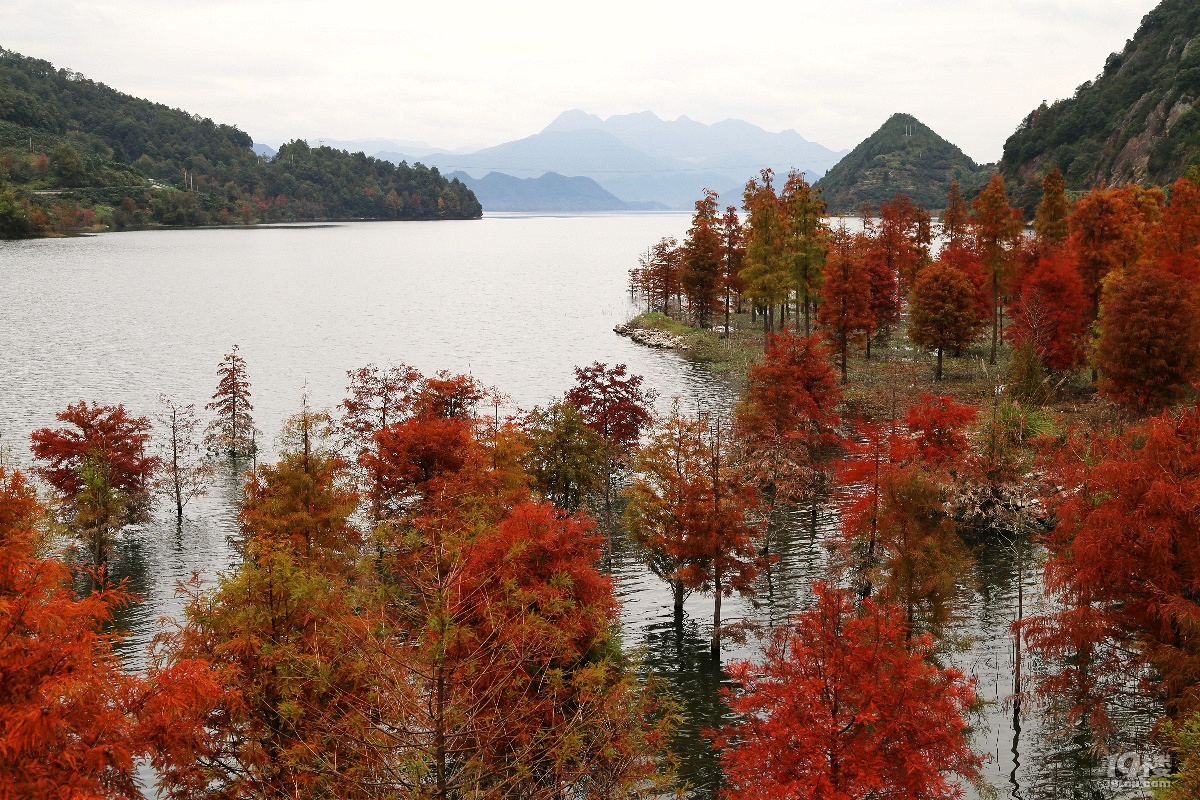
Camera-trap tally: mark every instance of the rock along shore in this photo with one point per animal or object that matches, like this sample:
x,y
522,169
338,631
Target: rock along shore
x,y
652,337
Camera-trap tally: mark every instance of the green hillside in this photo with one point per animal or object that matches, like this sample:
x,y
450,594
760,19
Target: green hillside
x,y
903,157
1136,122
75,153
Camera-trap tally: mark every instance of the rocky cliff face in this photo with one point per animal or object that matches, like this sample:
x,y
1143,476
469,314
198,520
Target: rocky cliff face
x,y
1137,121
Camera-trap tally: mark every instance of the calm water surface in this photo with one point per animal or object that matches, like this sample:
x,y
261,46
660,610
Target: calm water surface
x,y
517,301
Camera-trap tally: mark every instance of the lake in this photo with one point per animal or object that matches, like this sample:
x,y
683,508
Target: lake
x,y
516,301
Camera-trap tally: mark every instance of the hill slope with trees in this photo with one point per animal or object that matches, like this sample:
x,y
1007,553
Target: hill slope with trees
x,y
75,153
1137,121
904,156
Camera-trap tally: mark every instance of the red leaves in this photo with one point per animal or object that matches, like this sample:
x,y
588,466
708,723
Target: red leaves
x,y
1050,311
612,402
107,432
1125,565
844,707
1149,348
72,721
788,414
943,310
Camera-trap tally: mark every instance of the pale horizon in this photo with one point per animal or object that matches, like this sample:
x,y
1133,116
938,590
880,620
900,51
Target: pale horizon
x,y
970,70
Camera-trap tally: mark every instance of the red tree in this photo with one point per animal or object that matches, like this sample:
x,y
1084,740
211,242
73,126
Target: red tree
x,y
1149,348
1124,569
844,707
73,722
786,418
613,404
1050,311
996,228
943,311
845,315
100,467
107,432
375,399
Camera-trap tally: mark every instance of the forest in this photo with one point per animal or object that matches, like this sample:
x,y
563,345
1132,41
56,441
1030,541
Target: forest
x,y
421,607
76,155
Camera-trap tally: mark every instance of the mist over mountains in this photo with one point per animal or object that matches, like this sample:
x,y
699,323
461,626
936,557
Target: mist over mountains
x,y
644,161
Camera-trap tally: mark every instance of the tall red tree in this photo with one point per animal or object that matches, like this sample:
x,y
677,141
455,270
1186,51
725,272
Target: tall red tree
x,y
1050,312
1124,569
787,416
1149,347
101,468
700,271
845,315
232,431
73,722
844,707
996,229
614,405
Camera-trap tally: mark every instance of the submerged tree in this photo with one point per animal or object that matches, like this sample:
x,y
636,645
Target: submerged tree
x,y
690,512
232,431
100,467
565,457
614,405
186,473
1123,569
845,705
73,721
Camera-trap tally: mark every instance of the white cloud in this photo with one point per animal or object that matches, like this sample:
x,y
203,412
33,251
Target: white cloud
x,y
472,72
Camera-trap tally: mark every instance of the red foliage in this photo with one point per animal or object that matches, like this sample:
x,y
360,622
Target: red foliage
x,y
612,402
413,458
788,414
1050,311
446,395
1149,348
1177,243
938,427
1103,238
845,707
105,431
845,313
377,398
1125,568
73,722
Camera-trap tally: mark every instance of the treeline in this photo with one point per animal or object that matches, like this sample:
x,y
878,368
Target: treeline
x,y
76,154
1109,280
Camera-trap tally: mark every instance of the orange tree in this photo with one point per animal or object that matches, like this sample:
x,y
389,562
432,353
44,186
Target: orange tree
x,y
1124,570
73,722
846,315
942,307
845,706
1149,338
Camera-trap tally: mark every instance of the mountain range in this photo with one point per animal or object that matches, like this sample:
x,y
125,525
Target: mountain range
x,y
644,161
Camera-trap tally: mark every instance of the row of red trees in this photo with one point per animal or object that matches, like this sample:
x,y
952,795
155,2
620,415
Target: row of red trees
x,y
1110,278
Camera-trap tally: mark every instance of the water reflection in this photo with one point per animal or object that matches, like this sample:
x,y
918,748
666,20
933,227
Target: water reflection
x,y
515,301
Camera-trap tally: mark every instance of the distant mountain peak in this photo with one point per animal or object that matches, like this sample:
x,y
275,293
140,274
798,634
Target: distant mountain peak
x,y
573,120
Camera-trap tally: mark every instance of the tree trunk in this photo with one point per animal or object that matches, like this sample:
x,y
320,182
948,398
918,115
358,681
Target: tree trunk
x,y
715,648
995,315
937,373
845,348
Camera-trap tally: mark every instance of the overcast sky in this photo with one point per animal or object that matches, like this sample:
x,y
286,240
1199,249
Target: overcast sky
x,y
481,73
